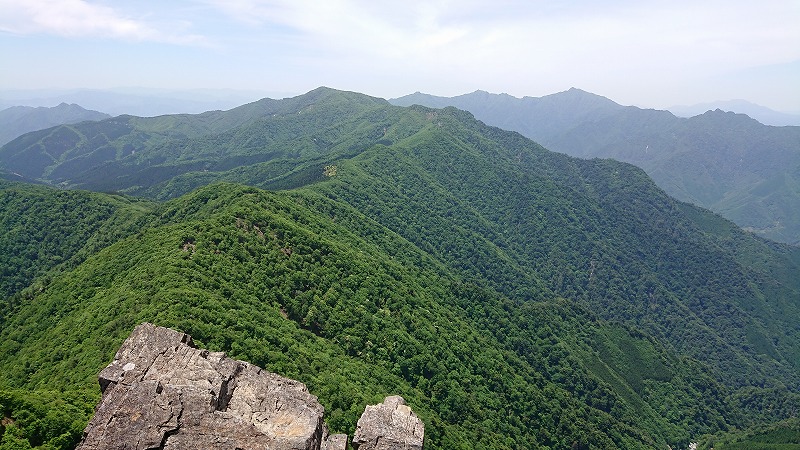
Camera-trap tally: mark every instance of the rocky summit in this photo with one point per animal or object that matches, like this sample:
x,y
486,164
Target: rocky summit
x,y
161,392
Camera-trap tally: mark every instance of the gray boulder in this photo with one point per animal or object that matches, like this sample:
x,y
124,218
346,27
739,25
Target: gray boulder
x,y
335,442
390,425
162,393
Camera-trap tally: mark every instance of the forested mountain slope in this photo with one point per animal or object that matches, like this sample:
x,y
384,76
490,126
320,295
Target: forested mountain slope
x,y
517,298
127,153
726,162
43,228
273,278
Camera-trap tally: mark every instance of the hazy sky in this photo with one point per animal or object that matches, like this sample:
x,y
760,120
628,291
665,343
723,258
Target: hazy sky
x,y
646,53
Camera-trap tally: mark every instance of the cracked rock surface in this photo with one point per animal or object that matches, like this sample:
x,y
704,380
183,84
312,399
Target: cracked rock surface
x,y
162,393
390,425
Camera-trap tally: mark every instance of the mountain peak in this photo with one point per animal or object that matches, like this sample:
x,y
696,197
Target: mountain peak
x,y
719,115
760,113
577,93
324,94
574,89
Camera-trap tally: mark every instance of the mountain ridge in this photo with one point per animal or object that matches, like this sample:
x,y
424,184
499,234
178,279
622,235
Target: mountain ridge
x,y
678,153
521,297
18,120
763,114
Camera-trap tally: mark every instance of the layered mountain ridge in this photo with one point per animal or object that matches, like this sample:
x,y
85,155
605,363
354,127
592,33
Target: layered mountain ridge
x,y
520,297
725,162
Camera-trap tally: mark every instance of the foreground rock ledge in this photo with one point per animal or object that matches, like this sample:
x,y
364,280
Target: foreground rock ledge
x,y
162,393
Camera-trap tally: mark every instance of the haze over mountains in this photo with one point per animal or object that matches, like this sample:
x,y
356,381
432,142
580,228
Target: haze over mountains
x,y
726,162
760,113
18,120
135,101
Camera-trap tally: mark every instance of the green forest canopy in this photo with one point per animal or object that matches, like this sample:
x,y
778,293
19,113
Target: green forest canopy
x,y
515,297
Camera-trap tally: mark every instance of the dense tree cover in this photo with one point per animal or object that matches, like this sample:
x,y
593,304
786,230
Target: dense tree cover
x,y
43,228
597,231
131,154
43,419
725,162
517,298
784,435
275,280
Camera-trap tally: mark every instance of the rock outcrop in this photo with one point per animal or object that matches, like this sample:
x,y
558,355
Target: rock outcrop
x,y
390,425
161,392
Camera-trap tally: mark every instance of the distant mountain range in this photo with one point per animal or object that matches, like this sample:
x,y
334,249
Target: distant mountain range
x,y
136,101
18,120
760,113
514,296
726,162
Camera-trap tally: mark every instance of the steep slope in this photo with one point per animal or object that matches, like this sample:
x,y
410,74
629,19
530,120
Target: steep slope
x,y
18,120
520,297
725,162
43,228
590,229
312,289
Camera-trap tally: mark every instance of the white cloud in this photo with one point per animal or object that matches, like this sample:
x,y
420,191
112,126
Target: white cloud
x,y
347,27
629,50
79,18
526,35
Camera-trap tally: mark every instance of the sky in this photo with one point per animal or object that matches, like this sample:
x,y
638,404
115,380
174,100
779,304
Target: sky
x,y
645,53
